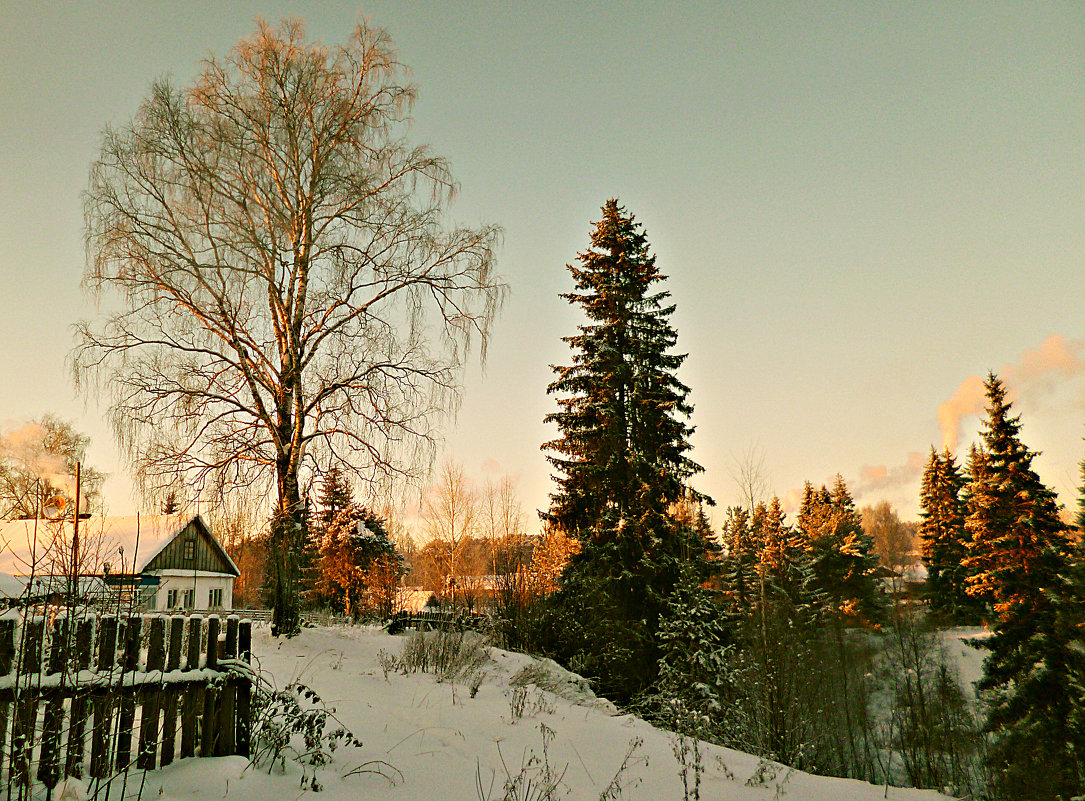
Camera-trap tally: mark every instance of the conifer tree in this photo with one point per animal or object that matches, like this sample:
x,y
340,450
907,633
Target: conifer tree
x,y
621,456
779,545
842,555
335,496
944,539
357,562
1079,518
1022,559
742,550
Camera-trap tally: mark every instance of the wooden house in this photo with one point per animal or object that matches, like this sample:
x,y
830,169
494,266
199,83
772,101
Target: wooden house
x,y
161,562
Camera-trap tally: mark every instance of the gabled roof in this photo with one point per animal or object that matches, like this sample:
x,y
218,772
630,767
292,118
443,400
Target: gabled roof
x,y
127,544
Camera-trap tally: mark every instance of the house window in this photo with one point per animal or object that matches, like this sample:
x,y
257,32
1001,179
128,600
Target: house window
x,y
189,552
171,599
214,599
190,599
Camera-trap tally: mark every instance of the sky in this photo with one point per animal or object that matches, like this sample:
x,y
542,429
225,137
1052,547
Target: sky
x,y
860,208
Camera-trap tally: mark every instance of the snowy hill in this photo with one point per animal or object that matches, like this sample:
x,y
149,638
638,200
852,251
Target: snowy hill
x,y
426,740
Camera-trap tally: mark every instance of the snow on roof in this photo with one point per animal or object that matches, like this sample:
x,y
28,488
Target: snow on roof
x,y
11,587
126,544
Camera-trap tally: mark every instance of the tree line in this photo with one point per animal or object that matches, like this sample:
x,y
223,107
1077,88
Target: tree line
x,y
771,637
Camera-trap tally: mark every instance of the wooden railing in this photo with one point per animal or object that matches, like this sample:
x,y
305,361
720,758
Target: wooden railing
x,y
93,684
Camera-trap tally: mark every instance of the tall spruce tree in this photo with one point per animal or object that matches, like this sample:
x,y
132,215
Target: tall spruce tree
x,y
1021,559
622,461
944,539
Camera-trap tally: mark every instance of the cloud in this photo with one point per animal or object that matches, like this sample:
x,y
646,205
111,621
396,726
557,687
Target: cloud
x,y
969,399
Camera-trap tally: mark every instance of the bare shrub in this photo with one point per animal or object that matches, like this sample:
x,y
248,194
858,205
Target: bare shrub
x,y
448,655
931,730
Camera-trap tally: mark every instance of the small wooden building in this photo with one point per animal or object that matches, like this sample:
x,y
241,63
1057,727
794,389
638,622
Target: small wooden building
x,y
164,562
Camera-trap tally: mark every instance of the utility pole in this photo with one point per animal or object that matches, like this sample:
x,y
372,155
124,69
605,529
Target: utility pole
x,y
74,586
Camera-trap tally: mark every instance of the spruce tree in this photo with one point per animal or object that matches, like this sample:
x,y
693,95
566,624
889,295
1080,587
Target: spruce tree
x,y
841,554
742,546
335,496
782,549
621,458
944,539
1079,518
1022,560
356,554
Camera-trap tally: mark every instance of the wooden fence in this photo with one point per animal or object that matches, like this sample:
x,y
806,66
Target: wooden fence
x,y
91,697
311,618
440,619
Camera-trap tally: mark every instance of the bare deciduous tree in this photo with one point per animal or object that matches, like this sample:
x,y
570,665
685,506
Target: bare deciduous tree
x,y
450,518
894,540
504,522
289,290
748,471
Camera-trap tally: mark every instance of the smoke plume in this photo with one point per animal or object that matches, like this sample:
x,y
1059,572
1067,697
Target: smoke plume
x,y
882,478
26,447
1037,371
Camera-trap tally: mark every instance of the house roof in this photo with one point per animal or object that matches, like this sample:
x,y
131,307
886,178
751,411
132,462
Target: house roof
x,y
126,544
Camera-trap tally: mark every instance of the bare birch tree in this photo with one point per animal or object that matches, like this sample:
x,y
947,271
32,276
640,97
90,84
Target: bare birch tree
x,y
503,517
449,517
750,475
290,291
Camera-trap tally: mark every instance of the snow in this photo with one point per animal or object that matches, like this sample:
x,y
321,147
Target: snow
x,y
962,651
129,543
11,587
433,741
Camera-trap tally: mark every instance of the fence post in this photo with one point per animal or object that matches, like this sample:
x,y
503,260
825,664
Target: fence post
x,y
209,737
7,659
244,691
73,761
192,660
212,661
227,704
151,696
103,702
7,646
132,634
26,708
49,758
169,704
177,632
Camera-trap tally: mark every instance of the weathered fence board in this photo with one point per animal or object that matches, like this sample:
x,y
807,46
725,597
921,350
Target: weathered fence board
x,y
96,696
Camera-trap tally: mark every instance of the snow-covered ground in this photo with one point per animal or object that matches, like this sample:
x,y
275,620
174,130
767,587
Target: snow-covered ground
x,y
430,741
962,653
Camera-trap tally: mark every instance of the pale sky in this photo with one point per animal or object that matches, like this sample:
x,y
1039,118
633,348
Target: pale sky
x,y
859,206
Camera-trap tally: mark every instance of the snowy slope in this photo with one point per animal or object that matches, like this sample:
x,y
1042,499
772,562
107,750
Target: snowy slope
x,y
962,653
439,743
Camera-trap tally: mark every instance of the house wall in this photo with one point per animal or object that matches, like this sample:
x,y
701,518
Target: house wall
x,y
205,557
203,584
